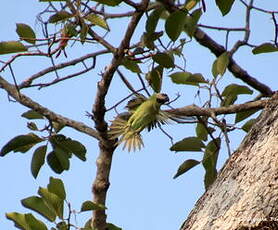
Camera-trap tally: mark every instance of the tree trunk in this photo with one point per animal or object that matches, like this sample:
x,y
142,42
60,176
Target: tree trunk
x,y
245,193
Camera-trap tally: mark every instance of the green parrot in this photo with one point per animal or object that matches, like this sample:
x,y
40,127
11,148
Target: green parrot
x,y
142,113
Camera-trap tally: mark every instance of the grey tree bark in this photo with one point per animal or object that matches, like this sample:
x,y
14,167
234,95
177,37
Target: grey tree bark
x,y
245,193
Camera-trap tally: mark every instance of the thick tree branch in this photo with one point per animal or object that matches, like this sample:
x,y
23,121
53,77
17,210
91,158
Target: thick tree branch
x,y
107,146
235,69
193,110
28,102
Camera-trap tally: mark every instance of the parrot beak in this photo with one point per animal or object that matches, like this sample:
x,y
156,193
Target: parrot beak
x,y
162,98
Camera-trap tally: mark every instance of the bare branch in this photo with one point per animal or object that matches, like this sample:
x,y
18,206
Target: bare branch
x,y
28,102
57,80
131,3
28,82
275,29
247,30
221,28
126,82
193,110
235,69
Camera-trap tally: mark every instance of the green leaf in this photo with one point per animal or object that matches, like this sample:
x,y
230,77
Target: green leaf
x,y
110,226
77,149
236,90
214,69
131,65
222,63
34,223
70,30
83,32
180,77
38,205
31,114
38,160
148,39
52,201
54,163
192,21
60,16
26,33
63,157
185,166
187,78
240,116
229,100
21,143
57,126
18,219
188,144
97,20
57,187
210,161
196,78
11,47
174,24
68,146
32,126
89,205
153,19
154,77
57,139
231,92
210,177
109,2
201,132
224,6
248,125
164,60
265,48
211,153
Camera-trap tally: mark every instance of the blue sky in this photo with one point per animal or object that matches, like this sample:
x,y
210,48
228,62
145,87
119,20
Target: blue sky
x,y
142,194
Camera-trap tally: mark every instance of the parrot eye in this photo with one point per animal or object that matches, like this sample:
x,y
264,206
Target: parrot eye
x,y
162,98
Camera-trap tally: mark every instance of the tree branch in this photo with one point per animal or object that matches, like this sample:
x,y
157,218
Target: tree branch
x,y
28,81
107,146
193,110
28,102
234,68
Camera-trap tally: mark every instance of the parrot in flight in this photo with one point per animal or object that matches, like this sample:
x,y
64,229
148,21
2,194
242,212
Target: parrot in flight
x,y
142,113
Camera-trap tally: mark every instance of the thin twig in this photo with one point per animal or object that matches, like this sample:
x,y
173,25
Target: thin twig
x,y
221,28
143,84
28,81
126,82
122,100
275,29
57,80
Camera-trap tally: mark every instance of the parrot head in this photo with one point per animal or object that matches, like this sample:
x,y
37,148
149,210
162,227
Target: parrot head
x,y
162,98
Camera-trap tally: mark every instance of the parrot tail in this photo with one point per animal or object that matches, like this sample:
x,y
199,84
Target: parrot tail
x,y
132,141
119,129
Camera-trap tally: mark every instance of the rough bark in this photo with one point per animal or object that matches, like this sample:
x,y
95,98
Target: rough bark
x,y
245,193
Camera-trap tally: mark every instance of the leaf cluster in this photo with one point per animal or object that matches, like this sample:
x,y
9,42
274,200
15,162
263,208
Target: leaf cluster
x,y
62,147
